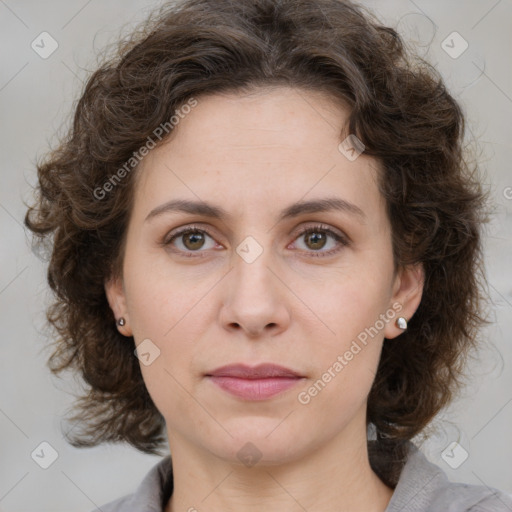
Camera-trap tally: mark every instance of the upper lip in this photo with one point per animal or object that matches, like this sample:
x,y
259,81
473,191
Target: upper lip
x,y
261,371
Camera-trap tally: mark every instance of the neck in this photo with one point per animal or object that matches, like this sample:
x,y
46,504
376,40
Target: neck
x,y
336,477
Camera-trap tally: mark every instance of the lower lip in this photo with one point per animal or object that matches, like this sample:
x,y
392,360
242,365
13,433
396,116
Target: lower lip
x,y
255,389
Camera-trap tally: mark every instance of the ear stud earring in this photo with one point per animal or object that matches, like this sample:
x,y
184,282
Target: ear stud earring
x,y
121,321
401,323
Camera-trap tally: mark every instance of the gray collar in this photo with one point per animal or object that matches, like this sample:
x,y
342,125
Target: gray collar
x,y
421,487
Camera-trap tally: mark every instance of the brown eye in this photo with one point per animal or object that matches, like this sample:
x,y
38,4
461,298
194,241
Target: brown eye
x,y
190,240
315,240
193,240
321,241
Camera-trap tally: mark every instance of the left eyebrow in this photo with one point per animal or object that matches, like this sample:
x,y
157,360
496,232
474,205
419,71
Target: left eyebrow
x,y
299,208
322,205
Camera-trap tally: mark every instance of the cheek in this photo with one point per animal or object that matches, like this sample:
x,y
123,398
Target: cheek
x,y
159,295
345,362
351,303
347,354
169,313
170,378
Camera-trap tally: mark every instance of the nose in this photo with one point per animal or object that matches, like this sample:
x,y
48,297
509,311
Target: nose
x,y
255,299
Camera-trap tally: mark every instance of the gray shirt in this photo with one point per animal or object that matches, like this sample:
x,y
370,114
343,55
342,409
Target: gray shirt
x,y
421,487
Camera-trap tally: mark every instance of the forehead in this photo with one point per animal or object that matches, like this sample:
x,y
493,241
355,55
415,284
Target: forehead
x,y
289,117
273,144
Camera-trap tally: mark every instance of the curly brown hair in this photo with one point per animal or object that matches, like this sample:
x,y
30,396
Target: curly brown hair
x,y
400,109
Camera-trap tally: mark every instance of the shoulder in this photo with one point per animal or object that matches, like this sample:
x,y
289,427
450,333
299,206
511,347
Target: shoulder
x,y
119,505
424,487
153,491
472,498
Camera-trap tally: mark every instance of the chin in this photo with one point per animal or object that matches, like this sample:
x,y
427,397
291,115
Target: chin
x,y
259,442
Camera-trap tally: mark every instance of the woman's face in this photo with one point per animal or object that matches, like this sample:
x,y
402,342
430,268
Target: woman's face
x,y
249,174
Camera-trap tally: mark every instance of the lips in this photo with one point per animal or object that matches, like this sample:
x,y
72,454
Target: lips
x,y
254,382
262,371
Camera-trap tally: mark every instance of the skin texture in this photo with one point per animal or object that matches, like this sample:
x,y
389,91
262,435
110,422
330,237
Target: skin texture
x,y
254,155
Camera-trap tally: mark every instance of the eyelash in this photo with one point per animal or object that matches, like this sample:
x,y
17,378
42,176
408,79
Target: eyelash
x,y
319,228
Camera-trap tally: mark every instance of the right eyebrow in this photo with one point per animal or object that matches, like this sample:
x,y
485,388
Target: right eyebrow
x,y
192,207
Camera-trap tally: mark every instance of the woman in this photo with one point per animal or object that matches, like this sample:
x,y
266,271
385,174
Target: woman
x,y
269,202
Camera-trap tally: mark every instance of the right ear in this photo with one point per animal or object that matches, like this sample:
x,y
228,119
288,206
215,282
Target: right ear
x,y
114,290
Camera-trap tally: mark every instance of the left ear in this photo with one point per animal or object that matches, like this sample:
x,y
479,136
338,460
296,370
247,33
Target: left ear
x,y
407,292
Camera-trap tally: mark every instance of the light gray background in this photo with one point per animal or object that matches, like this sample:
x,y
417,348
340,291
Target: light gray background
x,y
36,96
